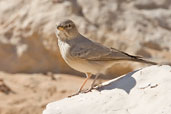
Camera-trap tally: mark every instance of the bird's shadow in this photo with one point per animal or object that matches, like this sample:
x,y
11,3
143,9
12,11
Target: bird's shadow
x,y
125,83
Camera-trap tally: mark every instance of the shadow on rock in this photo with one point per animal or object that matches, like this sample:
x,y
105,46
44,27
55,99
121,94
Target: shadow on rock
x,y
126,83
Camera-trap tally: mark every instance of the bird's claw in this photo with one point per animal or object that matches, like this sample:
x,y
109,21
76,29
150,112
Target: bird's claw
x,y
77,93
89,90
86,91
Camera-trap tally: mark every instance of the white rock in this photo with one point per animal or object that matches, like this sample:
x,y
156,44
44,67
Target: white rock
x,y
144,91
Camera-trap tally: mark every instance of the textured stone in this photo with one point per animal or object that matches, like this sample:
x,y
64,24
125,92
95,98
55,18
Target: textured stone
x,y
138,92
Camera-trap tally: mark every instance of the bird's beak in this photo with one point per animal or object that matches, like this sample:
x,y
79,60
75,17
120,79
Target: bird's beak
x,y
61,28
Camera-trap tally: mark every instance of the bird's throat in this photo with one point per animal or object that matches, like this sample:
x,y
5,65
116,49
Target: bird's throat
x,y
65,36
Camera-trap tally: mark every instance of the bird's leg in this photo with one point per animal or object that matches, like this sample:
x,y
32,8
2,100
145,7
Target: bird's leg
x,y
93,83
88,75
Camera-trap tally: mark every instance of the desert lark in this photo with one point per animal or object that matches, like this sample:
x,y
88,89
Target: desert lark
x,y
87,56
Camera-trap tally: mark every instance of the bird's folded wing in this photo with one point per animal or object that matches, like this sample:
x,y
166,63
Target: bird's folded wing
x,y
96,52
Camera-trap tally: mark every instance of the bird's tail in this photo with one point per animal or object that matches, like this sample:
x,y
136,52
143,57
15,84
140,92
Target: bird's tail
x,y
135,58
143,61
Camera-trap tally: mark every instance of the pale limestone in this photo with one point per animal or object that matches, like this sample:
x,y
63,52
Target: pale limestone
x,y
144,91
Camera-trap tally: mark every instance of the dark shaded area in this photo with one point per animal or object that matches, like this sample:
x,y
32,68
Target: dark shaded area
x,y
126,83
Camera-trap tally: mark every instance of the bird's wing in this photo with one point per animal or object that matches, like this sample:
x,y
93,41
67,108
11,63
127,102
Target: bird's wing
x,y
89,50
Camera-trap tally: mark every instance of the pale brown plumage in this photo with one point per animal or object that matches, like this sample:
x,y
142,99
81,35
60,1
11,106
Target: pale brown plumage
x,y
85,55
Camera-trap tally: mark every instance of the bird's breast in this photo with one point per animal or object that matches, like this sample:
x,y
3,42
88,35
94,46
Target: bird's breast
x,y
79,64
64,49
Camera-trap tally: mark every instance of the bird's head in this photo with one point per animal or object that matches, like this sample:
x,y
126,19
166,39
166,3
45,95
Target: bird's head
x,y
66,30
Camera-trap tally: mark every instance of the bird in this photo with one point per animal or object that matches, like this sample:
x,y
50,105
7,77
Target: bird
x,y
87,56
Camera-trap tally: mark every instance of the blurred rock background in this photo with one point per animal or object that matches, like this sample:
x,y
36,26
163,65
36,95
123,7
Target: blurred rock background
x,y
27,32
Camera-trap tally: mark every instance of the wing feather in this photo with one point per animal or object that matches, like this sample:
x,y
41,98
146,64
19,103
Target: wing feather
x,y
89,50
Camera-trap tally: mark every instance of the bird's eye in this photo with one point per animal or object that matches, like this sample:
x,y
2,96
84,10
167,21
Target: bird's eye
x,y
69,25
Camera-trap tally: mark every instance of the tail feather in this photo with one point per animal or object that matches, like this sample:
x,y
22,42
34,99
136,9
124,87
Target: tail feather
x,y
143,61
128,58
135,57
139,59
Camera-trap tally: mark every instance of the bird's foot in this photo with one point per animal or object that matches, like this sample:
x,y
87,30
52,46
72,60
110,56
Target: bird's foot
x,y
86,91
77,93
89,90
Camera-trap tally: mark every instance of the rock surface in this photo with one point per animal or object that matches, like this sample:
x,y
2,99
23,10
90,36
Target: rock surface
x,y
144,91
28,41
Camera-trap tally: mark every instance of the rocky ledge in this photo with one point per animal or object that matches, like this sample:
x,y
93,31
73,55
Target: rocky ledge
x,y
144,91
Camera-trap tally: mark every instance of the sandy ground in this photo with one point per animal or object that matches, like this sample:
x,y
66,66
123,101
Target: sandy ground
x,y
29,93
